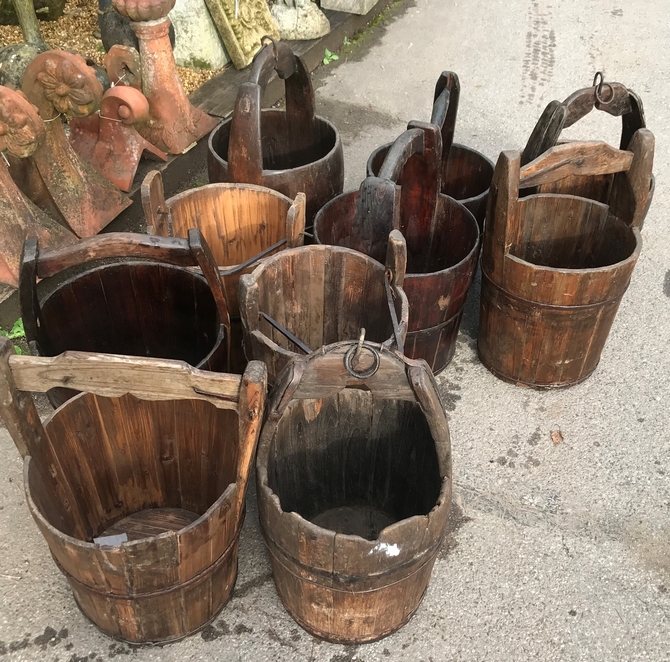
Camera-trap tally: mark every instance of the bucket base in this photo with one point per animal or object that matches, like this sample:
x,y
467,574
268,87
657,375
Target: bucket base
x,y
151,522
536,387
362,521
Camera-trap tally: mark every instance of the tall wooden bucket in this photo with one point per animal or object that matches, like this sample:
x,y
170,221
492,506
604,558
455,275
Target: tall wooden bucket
x,y
442,238
302,299
555,266
466,173
292,150
614,99
137,484
354,489
147,304
242,224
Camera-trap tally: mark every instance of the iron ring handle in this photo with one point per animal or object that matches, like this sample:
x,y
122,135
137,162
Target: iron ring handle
x,y
368,373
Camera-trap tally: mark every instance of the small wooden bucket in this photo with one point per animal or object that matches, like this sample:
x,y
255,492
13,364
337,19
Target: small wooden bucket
x,y
302,299
555,266
290,151
466,173
354,489
614,99
242,224
153,451
442,238
147,304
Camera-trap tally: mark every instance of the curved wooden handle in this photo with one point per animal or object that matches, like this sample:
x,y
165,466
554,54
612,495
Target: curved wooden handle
x,y
445,108
245,151
407,144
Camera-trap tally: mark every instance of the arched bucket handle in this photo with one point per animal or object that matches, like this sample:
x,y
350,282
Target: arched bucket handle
x,y
445,108
245,149
191,252
414,160
613,98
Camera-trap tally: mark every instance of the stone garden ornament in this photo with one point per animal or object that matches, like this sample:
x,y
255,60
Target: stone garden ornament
x,y
299,19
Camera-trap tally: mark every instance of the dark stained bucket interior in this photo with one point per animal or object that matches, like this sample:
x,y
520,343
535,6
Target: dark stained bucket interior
x,y
134,308
566,232
274,139
136,466
353,463
465,174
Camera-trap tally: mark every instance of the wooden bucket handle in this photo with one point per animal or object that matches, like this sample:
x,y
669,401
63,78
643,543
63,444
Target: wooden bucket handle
x,y
629,195
190,252
245,150
613,98
415,159
445,108
114,376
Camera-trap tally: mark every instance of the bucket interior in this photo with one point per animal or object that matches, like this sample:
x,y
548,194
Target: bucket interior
x,y
277,154
451,236
138,308
238,223
567,232
354,463
134,466
465,174
323,296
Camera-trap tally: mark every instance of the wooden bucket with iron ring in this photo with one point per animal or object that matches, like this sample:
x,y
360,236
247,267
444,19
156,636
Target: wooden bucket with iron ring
x,y
146,302
242,225
442,238
302,299
138,483
614,99
554,266
465,172
354,489
290,151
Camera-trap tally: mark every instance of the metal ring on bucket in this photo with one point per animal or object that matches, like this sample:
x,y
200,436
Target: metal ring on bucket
x,y
361,375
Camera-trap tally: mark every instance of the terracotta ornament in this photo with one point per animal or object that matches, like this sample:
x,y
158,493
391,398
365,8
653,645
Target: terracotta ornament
x,y
21,133
109,141
124,66
61,84
174,124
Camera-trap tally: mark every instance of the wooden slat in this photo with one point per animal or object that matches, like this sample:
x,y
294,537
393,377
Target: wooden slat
x,y
574,158
114,376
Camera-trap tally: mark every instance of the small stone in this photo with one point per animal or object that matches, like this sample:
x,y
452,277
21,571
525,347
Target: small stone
x,y
197,42
299,19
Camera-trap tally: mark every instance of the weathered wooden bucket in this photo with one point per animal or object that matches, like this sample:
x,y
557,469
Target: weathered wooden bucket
x,y
354,489
466,173
148,304
555,266
138,483
442,238
302,299
242,224
292,150
614,99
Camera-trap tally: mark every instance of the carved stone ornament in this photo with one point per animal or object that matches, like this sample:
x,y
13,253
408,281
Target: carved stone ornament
x,y
242,24
21,133
108,140
61,84
174,124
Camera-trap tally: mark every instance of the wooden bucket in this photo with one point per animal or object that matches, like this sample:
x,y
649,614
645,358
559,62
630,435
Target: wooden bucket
x,y
555,266
148,304
153,451
466,173
442,238
354,490
242,224
302,299
290,151
614,99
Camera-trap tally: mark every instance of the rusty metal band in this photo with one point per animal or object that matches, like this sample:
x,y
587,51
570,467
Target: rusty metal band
x,y
285,332
252,260
388,277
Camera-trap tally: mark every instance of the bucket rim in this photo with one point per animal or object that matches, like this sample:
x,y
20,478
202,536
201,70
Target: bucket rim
x,y
272,193
337,146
